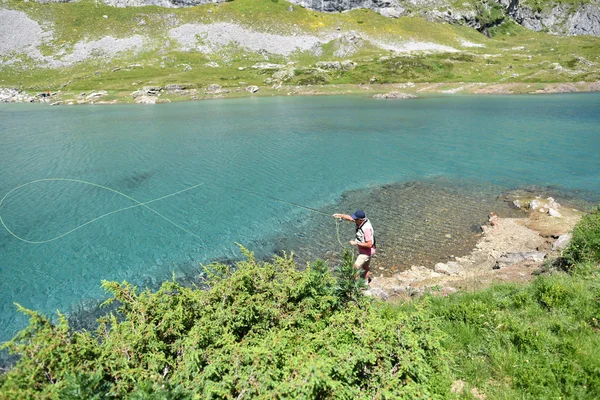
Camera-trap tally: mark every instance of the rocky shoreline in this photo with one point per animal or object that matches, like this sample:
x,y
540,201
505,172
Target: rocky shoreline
x,y
510,250
186,92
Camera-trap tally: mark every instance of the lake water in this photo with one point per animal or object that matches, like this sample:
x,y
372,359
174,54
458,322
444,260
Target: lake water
x,y
427,172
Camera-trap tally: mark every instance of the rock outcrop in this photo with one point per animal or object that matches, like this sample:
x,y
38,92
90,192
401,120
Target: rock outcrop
x,y
388,8
555,17
8,95
561,19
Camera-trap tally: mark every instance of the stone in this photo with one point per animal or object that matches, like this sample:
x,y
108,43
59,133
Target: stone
x,y
378,293
507,259
95,95
214,88
450,268
284,74
562,242
348,65
145,99
553,213
267,66
8,95
152,90
395,96
332,65
534,204
175,87
252,89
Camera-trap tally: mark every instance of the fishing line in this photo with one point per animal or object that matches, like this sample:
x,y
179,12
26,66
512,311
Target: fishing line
x,y
140,204
337,223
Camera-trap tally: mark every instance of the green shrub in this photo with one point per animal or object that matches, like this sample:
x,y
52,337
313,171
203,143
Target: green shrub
x,y
551,292
263,329
585,244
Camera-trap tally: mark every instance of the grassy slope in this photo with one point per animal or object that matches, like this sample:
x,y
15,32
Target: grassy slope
x,y
517,54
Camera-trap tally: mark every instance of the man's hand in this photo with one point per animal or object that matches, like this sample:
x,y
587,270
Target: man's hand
x,y
338,216
353,243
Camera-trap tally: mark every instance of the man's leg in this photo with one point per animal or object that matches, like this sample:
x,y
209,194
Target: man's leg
x,y
363,262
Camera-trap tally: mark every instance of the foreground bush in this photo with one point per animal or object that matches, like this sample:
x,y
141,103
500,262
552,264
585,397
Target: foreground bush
x,y
585,244
263,330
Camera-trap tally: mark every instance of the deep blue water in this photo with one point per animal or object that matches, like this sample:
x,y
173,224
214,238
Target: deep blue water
x,y
319,152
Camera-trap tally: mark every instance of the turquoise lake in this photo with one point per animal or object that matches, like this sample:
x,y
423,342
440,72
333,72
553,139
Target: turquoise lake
x,y
427,172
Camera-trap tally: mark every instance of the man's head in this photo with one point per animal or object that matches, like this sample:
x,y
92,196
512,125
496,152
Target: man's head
x,y
358,216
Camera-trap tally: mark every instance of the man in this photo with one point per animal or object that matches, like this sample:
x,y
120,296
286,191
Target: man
x,y
365,240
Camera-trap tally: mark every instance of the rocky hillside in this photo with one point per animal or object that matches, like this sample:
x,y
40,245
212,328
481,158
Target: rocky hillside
x,y
88,51
579,17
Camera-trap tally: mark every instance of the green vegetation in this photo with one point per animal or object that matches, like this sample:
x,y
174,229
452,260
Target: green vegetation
x,y
585,244
265,330
512,54
268,330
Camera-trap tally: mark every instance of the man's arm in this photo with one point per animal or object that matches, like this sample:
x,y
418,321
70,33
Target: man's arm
x,y
343,216
366,245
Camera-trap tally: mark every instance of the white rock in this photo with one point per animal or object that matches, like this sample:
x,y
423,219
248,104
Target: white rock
x,y
553,213
534,204
451,268
562,241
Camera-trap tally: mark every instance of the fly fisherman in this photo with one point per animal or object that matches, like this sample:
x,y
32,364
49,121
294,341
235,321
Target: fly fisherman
x,y
365,240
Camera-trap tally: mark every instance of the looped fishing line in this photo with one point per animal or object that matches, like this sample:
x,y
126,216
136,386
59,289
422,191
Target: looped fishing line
x,y
139,204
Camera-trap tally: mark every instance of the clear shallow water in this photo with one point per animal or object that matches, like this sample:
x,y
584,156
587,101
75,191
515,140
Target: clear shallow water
x,y
421,169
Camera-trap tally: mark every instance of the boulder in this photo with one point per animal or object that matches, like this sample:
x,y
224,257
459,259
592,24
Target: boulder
x,y
534,204
146,91
214,88
552,203
562,242
331,65
175,87
507,259
377,292
267,66
145,99
553,213
394,95
348,65
8,95
96,95
284,74
450,268
252,89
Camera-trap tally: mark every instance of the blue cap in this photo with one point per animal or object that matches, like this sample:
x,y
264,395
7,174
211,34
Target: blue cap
x,y
359,214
